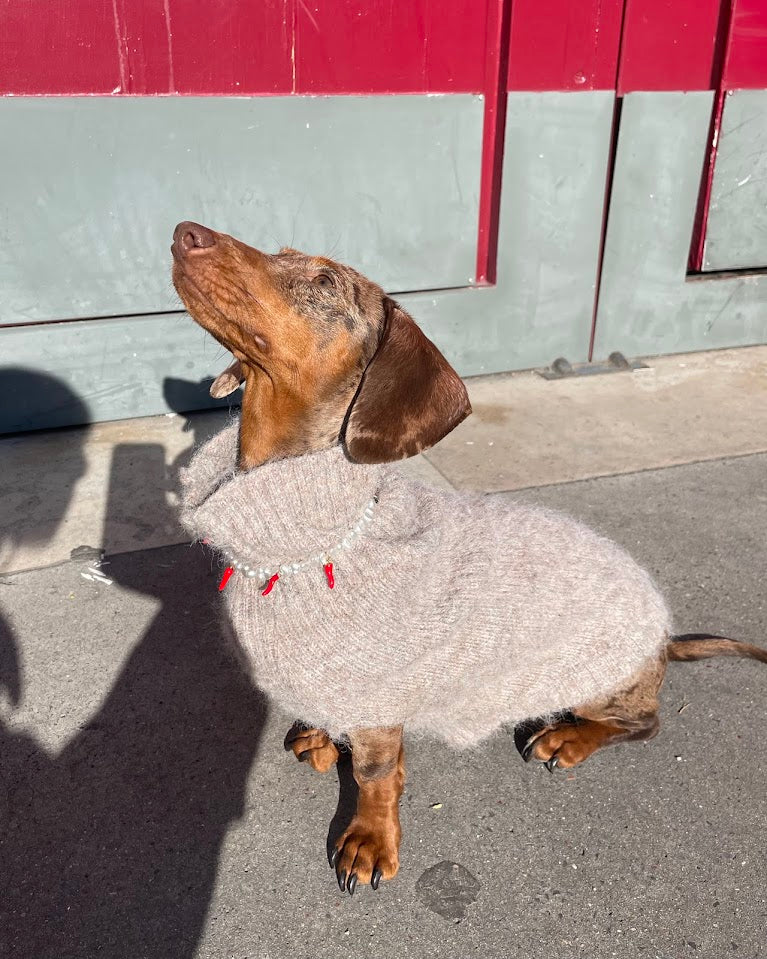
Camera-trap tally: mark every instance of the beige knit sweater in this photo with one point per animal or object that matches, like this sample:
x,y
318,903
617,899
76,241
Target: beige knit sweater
x,y
451,613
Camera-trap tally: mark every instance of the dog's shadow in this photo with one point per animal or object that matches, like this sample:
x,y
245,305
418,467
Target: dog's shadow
x,y
111,845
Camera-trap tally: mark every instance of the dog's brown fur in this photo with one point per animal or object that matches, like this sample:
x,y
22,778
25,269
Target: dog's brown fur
x,y
326,357
322,351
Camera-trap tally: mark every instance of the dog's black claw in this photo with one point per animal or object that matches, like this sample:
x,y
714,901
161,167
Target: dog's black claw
x,y
341,876
528,750
303,756
551,763
376,878
295,731
351,885
334,856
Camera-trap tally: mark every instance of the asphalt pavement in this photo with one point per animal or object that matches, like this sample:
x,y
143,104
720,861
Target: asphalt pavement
x,y
148,808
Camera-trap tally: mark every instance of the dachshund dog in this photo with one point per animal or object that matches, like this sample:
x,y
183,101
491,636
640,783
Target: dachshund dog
x,y
327,357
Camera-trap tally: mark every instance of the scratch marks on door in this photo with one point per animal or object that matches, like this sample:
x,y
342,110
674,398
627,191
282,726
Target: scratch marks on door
x,y
122,52
169,34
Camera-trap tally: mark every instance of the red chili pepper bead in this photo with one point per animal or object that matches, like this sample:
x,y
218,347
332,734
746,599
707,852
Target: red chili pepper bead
x,y
328,567
270,585
225,578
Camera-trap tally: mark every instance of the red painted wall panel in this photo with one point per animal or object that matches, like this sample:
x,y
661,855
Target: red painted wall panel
x,y
232,46
72,47
564,45
746,60
369,46
386,46
668,45
146,47
242,46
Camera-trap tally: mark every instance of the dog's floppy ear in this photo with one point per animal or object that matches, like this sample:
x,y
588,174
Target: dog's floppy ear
x,y
227,382
409,397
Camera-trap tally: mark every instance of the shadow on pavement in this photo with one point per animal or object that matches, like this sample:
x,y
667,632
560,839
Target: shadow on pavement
x,y
111,847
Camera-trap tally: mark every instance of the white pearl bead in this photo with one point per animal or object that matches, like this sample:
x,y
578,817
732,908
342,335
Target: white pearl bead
x,y
322,559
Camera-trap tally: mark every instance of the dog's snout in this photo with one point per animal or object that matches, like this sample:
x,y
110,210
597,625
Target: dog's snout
x,y
188,236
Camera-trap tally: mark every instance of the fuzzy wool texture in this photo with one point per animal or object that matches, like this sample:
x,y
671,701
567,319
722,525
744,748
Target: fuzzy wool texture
x,y
452,614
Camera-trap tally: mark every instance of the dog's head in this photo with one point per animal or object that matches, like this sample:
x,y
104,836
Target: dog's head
x,y
325,354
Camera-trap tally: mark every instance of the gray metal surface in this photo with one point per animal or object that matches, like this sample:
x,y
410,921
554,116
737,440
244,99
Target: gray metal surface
x,y
150,810
736,235
555,169
93,186
554,173
647,305
116,368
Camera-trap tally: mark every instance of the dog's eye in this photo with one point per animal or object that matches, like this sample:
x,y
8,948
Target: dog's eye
x,y
323,280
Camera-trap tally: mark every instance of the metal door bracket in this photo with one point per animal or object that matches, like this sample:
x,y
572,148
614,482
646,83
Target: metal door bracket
x,y
615,363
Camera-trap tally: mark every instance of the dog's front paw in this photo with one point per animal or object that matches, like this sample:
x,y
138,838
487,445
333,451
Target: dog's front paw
x,y
367,853
312,746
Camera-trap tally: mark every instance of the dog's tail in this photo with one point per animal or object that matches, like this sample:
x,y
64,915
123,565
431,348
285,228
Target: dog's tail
x,y
694,646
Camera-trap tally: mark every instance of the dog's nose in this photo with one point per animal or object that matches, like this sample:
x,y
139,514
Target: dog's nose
x,y
188,236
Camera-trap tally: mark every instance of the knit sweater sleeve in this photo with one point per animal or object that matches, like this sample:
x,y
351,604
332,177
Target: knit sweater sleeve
x,y
212,463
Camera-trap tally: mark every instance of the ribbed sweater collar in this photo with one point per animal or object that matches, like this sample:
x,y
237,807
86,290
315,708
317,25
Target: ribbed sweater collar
x,y
290,509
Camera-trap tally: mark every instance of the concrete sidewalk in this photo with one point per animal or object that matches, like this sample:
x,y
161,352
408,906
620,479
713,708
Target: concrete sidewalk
x,y
112,486
149,810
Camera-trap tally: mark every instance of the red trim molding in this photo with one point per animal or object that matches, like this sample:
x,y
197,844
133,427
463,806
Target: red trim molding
x,y
493,135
